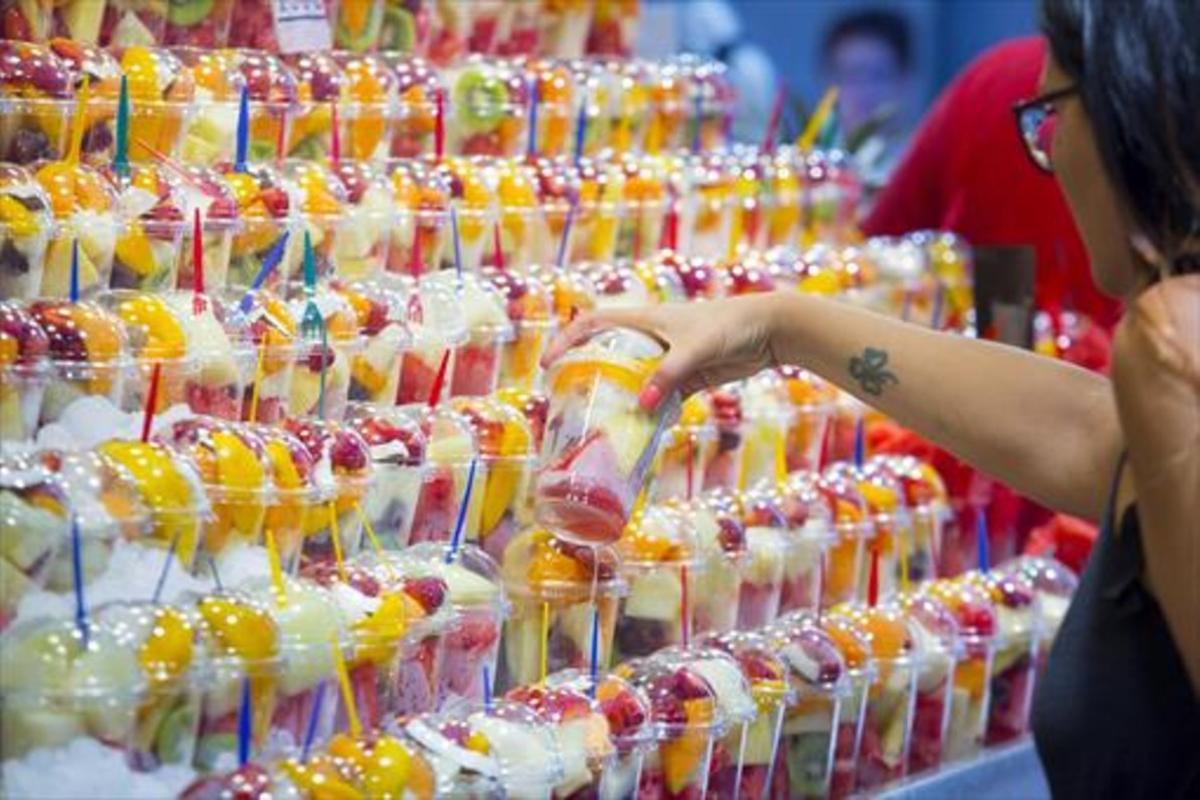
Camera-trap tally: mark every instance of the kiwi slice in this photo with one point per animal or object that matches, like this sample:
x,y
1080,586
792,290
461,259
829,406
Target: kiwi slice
x,y
185,13
176,735
310,148
479,101
399,30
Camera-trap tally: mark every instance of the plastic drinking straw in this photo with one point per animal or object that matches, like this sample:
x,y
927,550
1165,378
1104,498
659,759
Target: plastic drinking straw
x,y
690,468
581,123
697,110
335,534
121,152
369,530
860,444
415,262
780,461
343,677
310,732
817,121
273,257
166,568
935,314
736,231
244,724
826,438
594,654
531,148
81,615
458,259
151,400
439,125
79,122
487,689
439,380
212,565
560,259
497,246
276,567
198,304
772,129
685,633
873,579
902,551
335,136
74,290
259,375
242,143
544,660
981,537
461,522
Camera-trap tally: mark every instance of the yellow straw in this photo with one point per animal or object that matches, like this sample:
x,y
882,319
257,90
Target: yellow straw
x,y
337,541
376,545
902,546
339,664
639,505
781,459
79,122
545,641
735,234
276,566
259,369
817,121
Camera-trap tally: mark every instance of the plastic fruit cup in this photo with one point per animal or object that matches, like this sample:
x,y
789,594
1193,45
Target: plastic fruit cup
x,y
254,241
308,398
287,519
147,255
349,492
217,235
564,29
31,243
938,648
35,524
847,560
1014,666
706,213
432,231
550,581
969,699
477,363
1053,583
58,687
451,448
43,121
681,458
307,678
398,448
520,359
581,733
599,442
472,643
721,537
272,385
861,673
22,387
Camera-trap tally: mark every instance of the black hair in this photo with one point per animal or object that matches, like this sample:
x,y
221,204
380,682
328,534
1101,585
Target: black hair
x,y
1137,66
887,26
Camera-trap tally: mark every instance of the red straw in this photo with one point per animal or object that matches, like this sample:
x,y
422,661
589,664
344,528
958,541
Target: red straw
x,y
335,137
151,401
415,262
197,264
439,125
670,233
691,469
873,579
435,391
497,246
768,143
685,633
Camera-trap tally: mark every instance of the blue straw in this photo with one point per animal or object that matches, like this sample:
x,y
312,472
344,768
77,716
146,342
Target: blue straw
x,y
981,537
274,256
581,122
166,569
244,725
531,150
697,110
74,295
487,688
81,616
243,132
860,445
595,651
212,564
310,733
561,259
458,259
461,522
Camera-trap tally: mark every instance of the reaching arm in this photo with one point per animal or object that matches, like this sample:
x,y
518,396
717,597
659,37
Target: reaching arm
x,y
1046,428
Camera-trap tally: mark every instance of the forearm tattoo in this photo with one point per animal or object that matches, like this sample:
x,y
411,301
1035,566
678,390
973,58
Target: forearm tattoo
x,y
871,372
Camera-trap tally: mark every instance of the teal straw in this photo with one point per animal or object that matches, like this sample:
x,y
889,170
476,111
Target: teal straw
x,y
121,154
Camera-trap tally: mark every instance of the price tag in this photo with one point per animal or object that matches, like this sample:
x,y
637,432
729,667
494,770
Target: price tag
x,y
301,25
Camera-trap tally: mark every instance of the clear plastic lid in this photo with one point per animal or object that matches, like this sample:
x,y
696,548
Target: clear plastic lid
x,y
341,321
164,639
485,309
662,281
971,606
468,187
34,510
369,191
154,329
436,315
340,452
167,479
209,191
718,526
527,302
851,641
659,536
785,266
573,292
1014,597
261,192
537,564
1047,576
70,189
624,706
265,77
370,83
557,183
812,656
735,700
429,591
235,626
102,495
581,729
419,188
207,340
318,76
621,347
502,432
449,437
376,307
320,193
156,75
805,508
765,401
885,629
923,487
850,510
97,64
472,577
293,466
55,660
681,699
257,319
805,390
232,460
699,277
617,286
524,746
395,438
418,84
33,71
748,275
645,182
934,628
22,340
762,668
484,91
307,616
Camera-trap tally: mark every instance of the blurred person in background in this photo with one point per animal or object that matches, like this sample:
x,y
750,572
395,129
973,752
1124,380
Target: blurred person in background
x,y
713,28
868,57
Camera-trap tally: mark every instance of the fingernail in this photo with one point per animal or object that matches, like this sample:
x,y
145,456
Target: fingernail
x,y
650,397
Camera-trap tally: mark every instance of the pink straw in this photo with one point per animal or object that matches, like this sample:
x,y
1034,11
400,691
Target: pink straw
x,y
768,143
335,136
151,401
439,126
198,304
497,246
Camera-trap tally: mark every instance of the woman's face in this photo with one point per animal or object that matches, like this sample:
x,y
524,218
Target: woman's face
x,y
1089,191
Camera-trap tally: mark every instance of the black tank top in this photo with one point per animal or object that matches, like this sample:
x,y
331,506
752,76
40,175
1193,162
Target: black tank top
x,y
1114,715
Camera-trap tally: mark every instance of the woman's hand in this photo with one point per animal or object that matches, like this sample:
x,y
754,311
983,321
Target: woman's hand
x,y
708,344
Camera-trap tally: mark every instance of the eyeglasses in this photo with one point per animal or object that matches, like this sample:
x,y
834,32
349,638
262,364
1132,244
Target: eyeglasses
x,y
1036,121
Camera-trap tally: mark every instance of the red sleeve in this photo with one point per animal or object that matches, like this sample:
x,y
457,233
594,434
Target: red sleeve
x,y
915,197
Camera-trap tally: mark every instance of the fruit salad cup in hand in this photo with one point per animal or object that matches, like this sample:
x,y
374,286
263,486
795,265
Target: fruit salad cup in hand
x,y
169,655
823,713
477,361
451,449
398,453
472,643
548,577
26,228
381,314
364,233
86,211
296,494
268,209
721,537
321,378
24,372
687,722
887,720
236,471
530,307
244,656
599,441
152,212
207,190
36,94
36,521
1013,669
418,85
581,730
488,109
421,226
62,683
320,84
848,559
158,344
162,97
261,325
811,533
343,462
976,618
937,650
